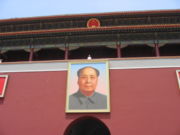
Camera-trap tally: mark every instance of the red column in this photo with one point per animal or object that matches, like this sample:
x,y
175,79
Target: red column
x,y
118,50
31,54
0,57
157,49
66,53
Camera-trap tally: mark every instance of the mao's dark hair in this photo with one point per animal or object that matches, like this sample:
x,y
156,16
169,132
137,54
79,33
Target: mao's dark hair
x,y
80,70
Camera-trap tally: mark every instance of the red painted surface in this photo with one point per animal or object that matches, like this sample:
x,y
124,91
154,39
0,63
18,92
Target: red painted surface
x,y
66,53
143,102
157,49
2,83
31,54
118,50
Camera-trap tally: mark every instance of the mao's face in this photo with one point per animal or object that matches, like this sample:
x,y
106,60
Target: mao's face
x,y
87,80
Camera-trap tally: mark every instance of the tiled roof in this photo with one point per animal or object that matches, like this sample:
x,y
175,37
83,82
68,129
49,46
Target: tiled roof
x,y
125,13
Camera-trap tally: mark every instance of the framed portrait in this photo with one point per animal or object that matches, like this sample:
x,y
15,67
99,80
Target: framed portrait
x,y
88,87
3,83
178,77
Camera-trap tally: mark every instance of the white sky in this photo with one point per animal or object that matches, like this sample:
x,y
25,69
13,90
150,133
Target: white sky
x,y
33,8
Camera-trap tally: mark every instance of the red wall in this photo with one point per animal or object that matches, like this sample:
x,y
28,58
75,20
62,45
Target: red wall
x,y
143,102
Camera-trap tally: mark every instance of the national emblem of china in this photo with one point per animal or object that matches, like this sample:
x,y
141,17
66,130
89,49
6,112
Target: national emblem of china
x,y
93,23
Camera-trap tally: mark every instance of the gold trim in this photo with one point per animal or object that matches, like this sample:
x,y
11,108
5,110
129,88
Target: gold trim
x,y
178,77
5,83
106,62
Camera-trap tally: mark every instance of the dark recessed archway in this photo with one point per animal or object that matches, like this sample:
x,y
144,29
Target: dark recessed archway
x,y
49,54
15,55
87,126
170,50
135,50
96,52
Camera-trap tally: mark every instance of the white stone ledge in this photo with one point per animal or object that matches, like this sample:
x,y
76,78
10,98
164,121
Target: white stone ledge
x,y
113,64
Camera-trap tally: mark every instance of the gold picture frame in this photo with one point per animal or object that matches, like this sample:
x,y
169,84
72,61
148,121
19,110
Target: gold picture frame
x,y
88,88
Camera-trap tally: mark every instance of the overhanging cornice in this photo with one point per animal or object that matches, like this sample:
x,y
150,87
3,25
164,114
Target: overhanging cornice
x,y
132,28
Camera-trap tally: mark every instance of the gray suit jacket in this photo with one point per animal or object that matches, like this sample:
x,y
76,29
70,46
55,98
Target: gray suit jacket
x,y
81,102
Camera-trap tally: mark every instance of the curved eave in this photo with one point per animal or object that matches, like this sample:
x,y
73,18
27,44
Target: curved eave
x,y
131,28
125,13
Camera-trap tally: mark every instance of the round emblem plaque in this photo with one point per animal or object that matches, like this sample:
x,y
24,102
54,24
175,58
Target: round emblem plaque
x,y
93,23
